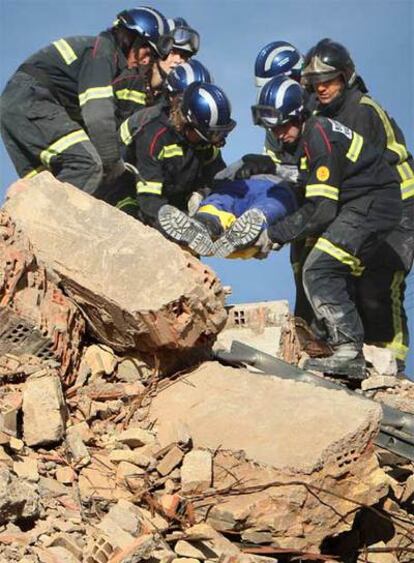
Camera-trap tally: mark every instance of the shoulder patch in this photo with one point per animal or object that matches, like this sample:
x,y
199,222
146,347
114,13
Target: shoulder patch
x,y
323,173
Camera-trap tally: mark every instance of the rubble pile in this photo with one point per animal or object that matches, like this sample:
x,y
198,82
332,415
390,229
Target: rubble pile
x,y
35,313
136,289
109,460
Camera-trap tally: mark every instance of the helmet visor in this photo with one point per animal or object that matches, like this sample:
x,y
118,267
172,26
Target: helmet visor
x,y
216,134
267,116
311,79
186,39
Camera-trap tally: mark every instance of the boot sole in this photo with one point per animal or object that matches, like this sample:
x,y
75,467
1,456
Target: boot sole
x,y
242,233
184,230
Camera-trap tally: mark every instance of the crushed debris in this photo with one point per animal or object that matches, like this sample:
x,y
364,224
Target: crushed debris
x,y
109,456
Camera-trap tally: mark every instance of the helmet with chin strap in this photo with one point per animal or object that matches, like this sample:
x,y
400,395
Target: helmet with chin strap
x,y
275,59
207,110
327,60
279,101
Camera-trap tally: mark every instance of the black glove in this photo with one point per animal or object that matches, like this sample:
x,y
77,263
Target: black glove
x,y
255,164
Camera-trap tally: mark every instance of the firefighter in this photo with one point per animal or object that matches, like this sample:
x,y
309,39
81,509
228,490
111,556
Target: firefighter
x,y
342,95
178,152
58,109
124,193
352,202
185,44
146,86
280,58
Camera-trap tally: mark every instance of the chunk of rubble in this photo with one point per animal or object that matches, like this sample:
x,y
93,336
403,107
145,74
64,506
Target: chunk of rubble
x,y
18,499
100,360
109,264
44,410
35,315
196,471
381,359
287,454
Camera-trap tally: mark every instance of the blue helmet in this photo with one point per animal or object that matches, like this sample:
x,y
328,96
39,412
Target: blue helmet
x,y
185,38
185,74
148,23
279,101
275,59
177,22
207,110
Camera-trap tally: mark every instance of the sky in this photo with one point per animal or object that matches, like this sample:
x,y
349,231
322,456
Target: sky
x,y
378,33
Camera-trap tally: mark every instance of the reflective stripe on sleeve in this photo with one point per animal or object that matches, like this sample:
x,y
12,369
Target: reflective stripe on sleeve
x,y
170,151
407,176
34,173
392,143
355,147
65,51
322,190
149,188
95,94
57,147
127,202
226,219
132,96
125,133
325,245
272,155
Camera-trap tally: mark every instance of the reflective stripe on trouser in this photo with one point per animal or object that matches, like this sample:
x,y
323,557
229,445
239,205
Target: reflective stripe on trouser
x,y
34,124
381,288
381,304
326,281
336,263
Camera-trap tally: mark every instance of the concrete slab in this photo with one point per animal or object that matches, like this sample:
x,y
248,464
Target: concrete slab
x,y
137,289
280,423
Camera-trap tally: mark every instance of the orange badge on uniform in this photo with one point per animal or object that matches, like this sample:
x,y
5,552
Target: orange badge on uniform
x,y
322,173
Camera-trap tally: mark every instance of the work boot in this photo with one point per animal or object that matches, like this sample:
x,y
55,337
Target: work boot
x,y
184,230
244,231
347,360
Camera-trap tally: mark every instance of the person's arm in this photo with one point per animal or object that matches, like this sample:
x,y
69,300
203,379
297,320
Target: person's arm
x,y
150,182
96,100
320,203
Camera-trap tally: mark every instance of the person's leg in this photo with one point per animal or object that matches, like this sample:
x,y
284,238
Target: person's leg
x,y
40,135
185,230
381,289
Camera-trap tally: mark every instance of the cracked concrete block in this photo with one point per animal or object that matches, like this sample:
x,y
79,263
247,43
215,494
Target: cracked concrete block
x,y
18,499
136,437
170,461
126,515
27,469
379,382
273,440
382,359
78,450
44,409
130,456
100,359
109,264
196,471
